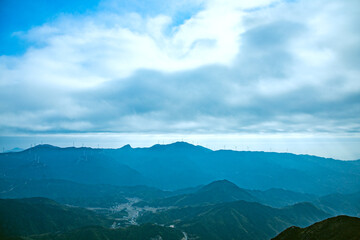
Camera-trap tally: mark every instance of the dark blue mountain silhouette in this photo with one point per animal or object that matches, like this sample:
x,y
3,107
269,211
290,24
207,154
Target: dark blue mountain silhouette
x,y
181,165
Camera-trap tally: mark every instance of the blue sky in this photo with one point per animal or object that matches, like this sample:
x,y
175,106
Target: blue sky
x,y
212,72
22,15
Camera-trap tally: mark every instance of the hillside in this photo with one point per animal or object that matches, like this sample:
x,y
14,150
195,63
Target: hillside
x,y
20,217
340,204
106,196
276,197
41,218
236,220
216,192
336,228
85,195
143,232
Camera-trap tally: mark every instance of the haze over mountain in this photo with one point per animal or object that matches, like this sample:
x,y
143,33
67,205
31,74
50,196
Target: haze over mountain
x,y
182,165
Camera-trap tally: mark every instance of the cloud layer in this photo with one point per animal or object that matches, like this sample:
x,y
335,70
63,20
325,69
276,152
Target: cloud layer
x,y
264,67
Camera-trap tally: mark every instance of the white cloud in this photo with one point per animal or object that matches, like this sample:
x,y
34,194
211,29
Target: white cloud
x,y
232,66
85,51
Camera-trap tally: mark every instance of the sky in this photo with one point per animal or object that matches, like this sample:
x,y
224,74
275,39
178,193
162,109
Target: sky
x,y
264,75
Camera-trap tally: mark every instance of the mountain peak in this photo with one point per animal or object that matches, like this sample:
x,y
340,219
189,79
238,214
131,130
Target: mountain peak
x,y
127,146
178,145
44,146
182,143
220,184
175,144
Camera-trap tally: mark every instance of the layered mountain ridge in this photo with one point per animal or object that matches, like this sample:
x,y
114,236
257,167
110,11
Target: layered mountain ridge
x,y
175,191
182,165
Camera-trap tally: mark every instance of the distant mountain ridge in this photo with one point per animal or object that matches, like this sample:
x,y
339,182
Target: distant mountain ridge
x,y
82,165
16,149
182,165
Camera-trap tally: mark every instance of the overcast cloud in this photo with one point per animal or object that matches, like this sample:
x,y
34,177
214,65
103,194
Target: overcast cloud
x,y
208,67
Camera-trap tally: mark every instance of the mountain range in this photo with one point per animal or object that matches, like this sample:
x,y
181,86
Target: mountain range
x,y
219,210
175,191
41,218
182,165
